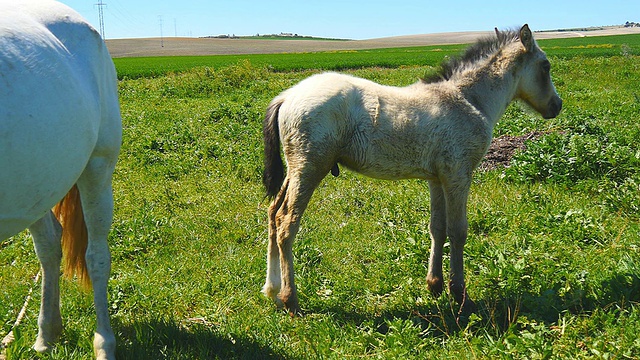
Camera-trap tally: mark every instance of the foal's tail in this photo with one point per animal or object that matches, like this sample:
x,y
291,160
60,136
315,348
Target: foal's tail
x,y
74,236
273,175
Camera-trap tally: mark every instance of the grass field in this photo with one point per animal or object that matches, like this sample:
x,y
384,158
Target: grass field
x,y
552,256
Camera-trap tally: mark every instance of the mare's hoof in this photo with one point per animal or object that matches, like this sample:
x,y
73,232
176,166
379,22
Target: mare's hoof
x,y
42,346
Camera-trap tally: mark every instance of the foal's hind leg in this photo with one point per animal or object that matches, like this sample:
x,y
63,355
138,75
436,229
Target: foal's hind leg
x,y
287,219
46,234
97,204
438,231
272,284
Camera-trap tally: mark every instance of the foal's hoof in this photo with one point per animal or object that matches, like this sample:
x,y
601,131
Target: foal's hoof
x,y
293,309
435,286
297,312
290,303
467,307
459,292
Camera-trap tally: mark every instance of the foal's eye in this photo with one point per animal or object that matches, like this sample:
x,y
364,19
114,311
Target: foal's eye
x,y
546,66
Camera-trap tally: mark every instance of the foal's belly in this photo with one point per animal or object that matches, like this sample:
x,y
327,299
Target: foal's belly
x,y
388,171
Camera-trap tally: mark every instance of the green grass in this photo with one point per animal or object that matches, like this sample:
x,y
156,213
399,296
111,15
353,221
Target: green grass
x,y
552,256
133,68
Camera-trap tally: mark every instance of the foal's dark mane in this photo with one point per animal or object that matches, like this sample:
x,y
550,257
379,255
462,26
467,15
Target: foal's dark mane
x,y
480,50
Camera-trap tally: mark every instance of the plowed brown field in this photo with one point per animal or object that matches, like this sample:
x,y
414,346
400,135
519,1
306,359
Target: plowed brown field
x,y
177,46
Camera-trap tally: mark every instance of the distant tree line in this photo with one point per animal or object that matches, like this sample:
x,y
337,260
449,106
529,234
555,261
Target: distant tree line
x,y
281,35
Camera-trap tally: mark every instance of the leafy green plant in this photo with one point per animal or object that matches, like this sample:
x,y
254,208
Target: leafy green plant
x,y
584,151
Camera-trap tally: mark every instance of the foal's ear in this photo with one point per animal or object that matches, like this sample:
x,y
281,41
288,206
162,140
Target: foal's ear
x,y
527,38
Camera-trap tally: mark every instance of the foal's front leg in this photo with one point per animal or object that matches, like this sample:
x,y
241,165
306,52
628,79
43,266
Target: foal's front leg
x,y
457,228
438,231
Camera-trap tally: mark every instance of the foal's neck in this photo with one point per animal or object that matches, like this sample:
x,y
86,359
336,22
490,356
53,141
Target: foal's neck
x,y
490,89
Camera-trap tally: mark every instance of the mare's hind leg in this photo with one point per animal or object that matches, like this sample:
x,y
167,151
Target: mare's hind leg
x,y
46,234
272,284
97,205
300,187
457,228
438,231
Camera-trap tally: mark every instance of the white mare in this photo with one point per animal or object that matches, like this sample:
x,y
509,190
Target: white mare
x,y
60,130
437,130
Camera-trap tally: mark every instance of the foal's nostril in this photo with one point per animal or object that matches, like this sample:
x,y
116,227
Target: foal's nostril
x,y
555,105
558,106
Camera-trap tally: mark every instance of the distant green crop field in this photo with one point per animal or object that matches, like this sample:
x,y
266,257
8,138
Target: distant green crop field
x,y
133,68
592,46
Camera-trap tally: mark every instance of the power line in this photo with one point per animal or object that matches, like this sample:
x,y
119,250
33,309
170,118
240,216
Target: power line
x,y
127,22
100,5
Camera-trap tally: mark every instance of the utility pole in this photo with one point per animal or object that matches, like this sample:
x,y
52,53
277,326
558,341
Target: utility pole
x,y
161,36
100,5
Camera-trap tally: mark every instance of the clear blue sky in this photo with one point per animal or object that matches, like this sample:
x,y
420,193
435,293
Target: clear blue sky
x,y
349,19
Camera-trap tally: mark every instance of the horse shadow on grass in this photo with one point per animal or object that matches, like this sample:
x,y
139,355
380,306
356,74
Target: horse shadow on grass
x,y
175,339
618,290
502,312
171,339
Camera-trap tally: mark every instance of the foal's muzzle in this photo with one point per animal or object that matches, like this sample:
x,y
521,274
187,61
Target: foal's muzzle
x,y
553,108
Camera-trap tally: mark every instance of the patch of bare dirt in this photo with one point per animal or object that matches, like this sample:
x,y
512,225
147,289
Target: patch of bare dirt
x,y
504,147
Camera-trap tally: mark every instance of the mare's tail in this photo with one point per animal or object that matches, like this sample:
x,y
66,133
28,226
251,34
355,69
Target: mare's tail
x,y
273,174
74,236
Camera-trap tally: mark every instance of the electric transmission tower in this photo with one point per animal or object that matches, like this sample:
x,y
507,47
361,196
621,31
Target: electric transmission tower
x,y
161,35
100,5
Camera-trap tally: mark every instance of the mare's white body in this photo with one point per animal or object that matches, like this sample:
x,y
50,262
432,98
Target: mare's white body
x,y
59,126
